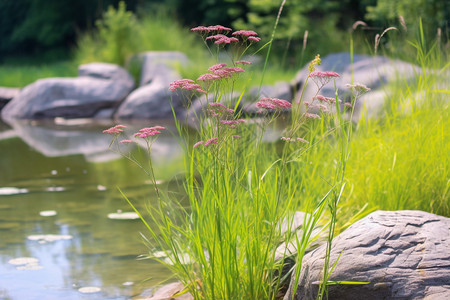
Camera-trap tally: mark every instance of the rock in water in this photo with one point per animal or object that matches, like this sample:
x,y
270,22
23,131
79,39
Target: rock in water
x,y
98,86
403,254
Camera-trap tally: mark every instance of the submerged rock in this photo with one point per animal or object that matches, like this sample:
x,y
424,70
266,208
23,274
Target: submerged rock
x,y
402,254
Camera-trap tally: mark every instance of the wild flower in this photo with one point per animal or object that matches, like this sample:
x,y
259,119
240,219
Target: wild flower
x,y
148,132
236,136
217,109
312,65
198,144
302,140
228,72
222,39
115,129
246,33
179,84
210,141
273,103
208,77
357,88
311,116
321,98
244,62
254,38
348,104
322,78
126,141
216,67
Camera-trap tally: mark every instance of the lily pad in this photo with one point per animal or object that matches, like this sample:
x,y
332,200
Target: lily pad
x,y
49,237
89,289
4,191
123,216
48,213
23,261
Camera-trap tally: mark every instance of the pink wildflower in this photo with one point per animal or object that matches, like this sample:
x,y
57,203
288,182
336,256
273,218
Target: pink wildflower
x,y
286,139
208,77
302,140
115,129
325,99
236,136
148,131
180,84
273,103
254,38
348,104
226,40
218,28
323,74
322,78
311,116
125,141
210,141
217,104
200,28
244,62
198,144
201,90
244,33
216,67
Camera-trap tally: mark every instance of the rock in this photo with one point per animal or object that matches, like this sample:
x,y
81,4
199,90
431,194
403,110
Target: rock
x,y
99,86
403,254
6,95
168,292
153,99
160,64
370,71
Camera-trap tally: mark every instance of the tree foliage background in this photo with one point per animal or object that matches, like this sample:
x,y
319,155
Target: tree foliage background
x,y
37,26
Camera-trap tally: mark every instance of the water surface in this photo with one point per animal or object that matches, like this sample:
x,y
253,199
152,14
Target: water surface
x,y
66,169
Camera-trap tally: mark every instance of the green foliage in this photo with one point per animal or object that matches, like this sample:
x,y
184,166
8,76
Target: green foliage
x,y
115,31
434,13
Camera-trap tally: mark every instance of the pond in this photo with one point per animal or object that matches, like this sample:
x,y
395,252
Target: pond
x,y
58,187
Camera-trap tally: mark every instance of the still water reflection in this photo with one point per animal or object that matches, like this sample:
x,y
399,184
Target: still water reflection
x,y
66,168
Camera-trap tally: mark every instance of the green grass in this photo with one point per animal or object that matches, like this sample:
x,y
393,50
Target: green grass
x,y
18,75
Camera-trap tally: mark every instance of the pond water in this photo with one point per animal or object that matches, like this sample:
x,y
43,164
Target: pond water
x,y
58,184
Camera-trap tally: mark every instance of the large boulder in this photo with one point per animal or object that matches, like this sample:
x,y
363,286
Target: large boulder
x,y
372,71
7,94
98,86
402,254
152,99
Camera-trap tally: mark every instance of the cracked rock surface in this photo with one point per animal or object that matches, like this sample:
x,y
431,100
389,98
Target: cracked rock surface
x,y
403,254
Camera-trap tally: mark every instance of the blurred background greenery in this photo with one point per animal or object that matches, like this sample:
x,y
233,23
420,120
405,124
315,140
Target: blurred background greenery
x,y
52,37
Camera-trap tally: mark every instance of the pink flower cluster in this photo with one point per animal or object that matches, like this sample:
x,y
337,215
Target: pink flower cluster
x,y
207,143
321,98
148,131
186,84
222,39
217,109
115,129
246,35
273,103
322,78
213,28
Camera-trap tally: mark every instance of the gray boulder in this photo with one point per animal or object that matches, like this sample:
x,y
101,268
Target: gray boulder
x,y
98,86
403,254
153,99
6,95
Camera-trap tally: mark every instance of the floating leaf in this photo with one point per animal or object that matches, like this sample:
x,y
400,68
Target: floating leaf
x,y
123,216
48,213
89,289
12,191
23,261
49,237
